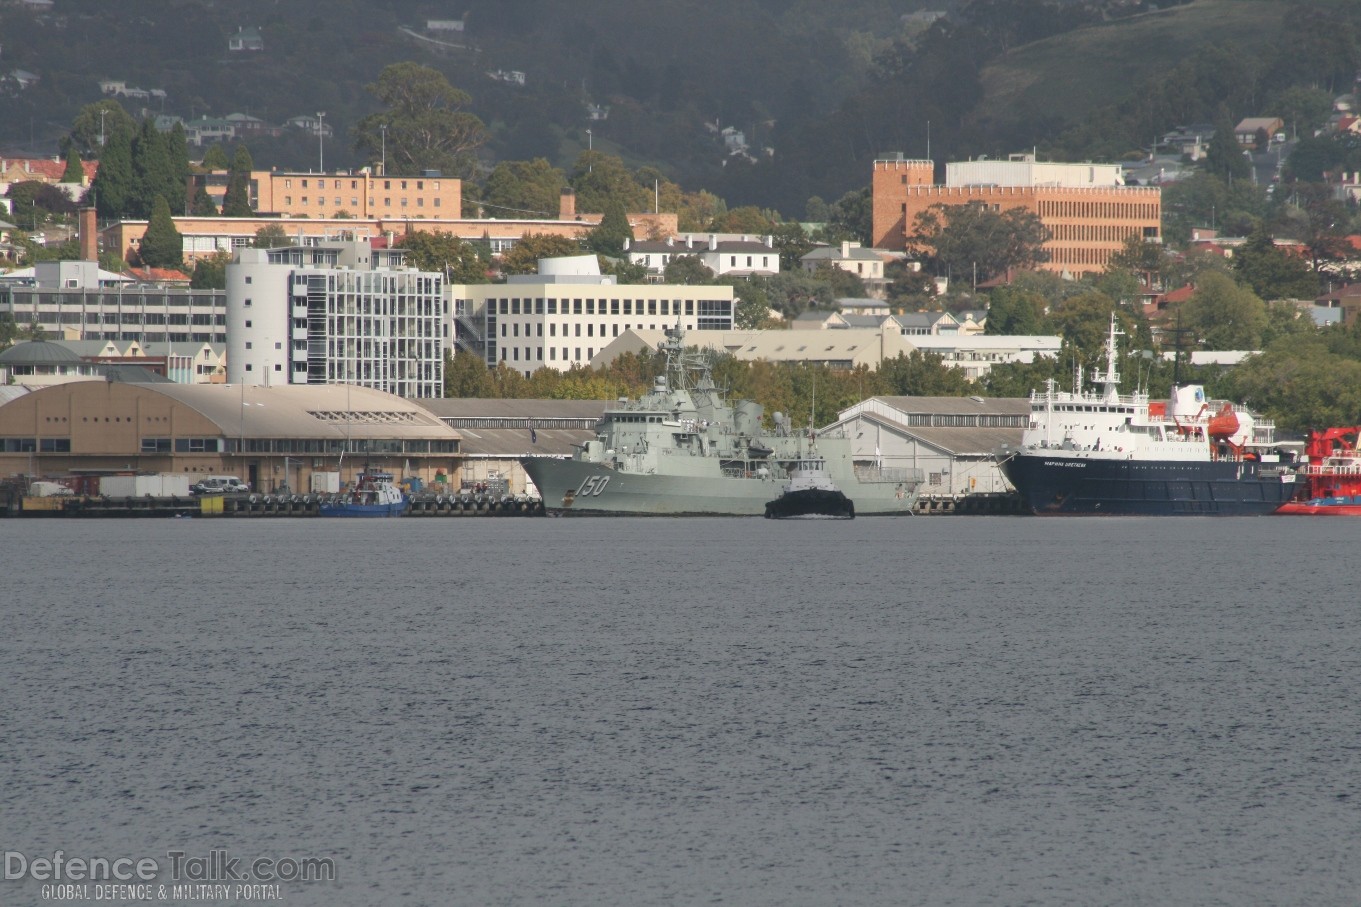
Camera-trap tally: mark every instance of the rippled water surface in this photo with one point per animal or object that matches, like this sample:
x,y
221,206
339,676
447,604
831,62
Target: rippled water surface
x,y
536,711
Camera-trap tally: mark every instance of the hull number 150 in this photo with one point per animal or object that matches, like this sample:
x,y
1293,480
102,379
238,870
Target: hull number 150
x,y
593,485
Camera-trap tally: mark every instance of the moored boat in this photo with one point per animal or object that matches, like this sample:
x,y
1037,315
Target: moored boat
x,y
374,495
1101,452
1332,475
810,493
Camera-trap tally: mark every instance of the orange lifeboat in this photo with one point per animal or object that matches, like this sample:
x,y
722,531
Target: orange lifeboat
x,y
1223,424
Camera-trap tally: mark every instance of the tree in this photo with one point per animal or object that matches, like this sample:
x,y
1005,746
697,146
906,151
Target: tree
x,y
1272,272
466,375
1224,315
923,375
792,243
427,125
115,186
177,149
215,158
1139,257
612,232
523,257
624,270
271,236
687,269
236,203
910,288
1225,158
520,188
850,218
1015,311
74,172
203,205
459,261
598,177
748,219
86,128
972,238
153,174
210,273
162,245
36,203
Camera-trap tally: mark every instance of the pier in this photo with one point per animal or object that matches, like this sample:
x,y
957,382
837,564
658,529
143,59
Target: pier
x,y
257,505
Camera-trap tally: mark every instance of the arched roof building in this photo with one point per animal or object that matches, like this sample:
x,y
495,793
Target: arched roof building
x,y
269,436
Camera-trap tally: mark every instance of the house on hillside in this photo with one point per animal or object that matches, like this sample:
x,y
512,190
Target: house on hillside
x,y
1248,131
245,40
867,264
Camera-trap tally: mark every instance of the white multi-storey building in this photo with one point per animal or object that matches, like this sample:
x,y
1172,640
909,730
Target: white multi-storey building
x,y
338,313
76,300
565,314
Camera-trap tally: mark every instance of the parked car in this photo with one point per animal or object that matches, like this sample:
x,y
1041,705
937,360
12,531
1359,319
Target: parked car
x,y
219,485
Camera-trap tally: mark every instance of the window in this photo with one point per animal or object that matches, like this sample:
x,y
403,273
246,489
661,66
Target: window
x,y
248,280
247,324
247,301
248,368
248,344
436,203
304,184
278,367
278,346
288,199
420,184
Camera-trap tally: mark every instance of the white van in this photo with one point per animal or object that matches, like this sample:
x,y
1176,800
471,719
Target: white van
x,y
220,485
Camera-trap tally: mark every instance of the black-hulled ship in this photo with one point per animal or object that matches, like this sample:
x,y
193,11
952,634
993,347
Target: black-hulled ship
x,y
1101,452
810,492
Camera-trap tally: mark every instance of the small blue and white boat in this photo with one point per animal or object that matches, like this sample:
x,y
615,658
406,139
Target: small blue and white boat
x,y
373,494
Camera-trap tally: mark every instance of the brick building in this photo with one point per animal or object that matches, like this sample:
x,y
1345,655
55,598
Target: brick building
x,y
1086,207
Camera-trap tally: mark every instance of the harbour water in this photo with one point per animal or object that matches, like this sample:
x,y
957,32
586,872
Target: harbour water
x,y
614,711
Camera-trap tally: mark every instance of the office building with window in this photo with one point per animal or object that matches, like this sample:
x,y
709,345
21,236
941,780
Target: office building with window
x,y
1087,209
569,311
75,300
339,313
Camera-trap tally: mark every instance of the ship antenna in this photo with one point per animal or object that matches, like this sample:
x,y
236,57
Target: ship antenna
x,y
1110,380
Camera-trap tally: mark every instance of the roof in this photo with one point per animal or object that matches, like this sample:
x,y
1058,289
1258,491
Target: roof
x,y
308,411
159,274
506,443
978,442
37,352
954,405
834,253
858,345
492,408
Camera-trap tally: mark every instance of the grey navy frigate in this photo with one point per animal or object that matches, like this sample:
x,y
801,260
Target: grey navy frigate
x,y
682,449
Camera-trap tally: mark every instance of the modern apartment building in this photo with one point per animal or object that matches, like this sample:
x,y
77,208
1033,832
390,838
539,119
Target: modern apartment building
x,y
339,313
75,300
1086,207
562,316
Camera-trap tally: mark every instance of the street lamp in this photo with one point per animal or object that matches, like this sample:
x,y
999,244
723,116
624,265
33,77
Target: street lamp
x,y
321,141
590,145
383,127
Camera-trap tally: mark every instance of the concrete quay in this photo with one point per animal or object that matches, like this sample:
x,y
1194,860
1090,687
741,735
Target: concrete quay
x,y
256,505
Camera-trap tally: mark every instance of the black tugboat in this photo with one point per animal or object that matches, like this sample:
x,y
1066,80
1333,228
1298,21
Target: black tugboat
x,y
810,493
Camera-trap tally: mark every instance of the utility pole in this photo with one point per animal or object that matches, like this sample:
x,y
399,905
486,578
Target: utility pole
x,y
321,141
383,127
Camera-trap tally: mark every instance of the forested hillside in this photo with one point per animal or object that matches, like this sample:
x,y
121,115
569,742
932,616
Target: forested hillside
x,y
816,89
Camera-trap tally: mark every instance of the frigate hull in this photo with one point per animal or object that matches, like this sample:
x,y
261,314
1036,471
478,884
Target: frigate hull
x,y
577,487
